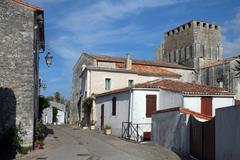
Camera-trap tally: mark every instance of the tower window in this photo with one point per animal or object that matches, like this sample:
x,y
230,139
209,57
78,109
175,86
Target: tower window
x,y
174,56
204,24
198,23
189,25
210,26
216,27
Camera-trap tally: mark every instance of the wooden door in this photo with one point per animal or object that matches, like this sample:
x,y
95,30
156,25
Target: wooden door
x,y
202,139
102,116
206,106
151,105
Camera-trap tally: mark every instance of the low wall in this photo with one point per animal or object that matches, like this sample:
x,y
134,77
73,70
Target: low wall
x,y
227,125
171,130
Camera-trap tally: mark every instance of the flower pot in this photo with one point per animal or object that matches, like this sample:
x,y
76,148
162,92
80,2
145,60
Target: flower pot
x,y
92,127
108,131
37,146
84,128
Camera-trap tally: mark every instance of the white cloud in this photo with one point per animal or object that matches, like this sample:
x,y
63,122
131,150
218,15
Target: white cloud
x,y
231,36
98,24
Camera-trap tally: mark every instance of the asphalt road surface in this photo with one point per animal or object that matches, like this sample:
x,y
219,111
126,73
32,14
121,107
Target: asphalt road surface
x,y
69,143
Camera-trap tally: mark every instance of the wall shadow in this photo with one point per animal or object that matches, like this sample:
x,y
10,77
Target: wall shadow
x,y
7,124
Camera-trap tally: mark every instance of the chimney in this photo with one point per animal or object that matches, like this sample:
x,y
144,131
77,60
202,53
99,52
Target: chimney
x,y
128,63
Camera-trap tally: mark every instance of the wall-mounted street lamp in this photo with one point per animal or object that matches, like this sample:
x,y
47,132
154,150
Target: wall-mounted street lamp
x,y
48,59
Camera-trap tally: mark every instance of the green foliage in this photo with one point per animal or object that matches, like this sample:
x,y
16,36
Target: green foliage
x,y
55,112
25,150
39,134
43,103
87,105
12,141
57,96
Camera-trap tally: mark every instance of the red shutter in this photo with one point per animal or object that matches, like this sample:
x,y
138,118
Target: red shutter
x,y
206,106
150,104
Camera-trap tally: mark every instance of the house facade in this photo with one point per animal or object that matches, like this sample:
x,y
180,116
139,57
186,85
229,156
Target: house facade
x,y
22,36
137,104
95,74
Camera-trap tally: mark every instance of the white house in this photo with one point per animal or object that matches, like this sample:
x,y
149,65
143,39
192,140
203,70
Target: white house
x,y
47,116
137,104
95,74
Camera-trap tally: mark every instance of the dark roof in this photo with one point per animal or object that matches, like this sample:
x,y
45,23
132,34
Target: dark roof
x,y
107,58
29,6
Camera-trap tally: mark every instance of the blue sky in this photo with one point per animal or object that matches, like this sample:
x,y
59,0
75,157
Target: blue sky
x,y
117,27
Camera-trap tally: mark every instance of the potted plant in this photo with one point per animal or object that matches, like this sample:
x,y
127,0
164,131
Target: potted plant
x,y
108,130
92,126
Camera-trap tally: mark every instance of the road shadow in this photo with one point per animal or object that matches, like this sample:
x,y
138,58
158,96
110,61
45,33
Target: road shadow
x,y
8,129
47,131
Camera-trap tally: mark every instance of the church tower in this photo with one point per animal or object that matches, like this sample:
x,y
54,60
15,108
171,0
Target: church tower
x,y
194,44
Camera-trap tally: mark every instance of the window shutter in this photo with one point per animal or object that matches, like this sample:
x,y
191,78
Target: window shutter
x,y
150,105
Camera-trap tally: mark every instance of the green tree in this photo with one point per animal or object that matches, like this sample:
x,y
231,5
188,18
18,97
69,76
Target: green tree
x,y
57,96
43,103
55,112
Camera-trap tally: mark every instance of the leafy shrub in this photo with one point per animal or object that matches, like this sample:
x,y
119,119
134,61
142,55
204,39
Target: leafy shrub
x,y
39,134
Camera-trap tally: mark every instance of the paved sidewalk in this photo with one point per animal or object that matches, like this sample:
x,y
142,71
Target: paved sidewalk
x,y
68,143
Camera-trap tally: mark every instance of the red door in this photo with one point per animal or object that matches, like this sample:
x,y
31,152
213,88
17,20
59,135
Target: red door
x,y
102,116
206,106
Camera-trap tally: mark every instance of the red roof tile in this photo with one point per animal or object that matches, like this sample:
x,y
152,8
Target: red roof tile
x,y
29,6
185,111
186,88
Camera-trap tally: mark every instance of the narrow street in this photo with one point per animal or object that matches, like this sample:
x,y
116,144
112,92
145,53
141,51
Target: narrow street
x,y
68,143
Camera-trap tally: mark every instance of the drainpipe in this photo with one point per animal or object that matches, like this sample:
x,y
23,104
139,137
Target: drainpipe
x,y
130,105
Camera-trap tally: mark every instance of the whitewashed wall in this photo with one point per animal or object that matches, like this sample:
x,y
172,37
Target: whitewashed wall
x,y
194,103
47,115
118,80
220,102
169,99
122,106
138,109
60,117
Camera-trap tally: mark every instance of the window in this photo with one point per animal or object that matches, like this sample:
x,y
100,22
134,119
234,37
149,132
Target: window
x,y
150,104
114,106
107,84
130,83
174,57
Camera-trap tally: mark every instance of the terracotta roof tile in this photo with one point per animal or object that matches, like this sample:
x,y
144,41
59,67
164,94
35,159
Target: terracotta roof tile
x,y
185,111
186,88
32,7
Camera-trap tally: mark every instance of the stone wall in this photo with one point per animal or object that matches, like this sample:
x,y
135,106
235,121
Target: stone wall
x,y
16,62
189,42
76,86
222,75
